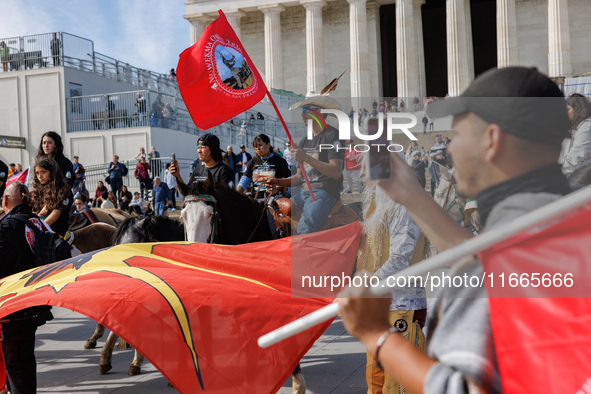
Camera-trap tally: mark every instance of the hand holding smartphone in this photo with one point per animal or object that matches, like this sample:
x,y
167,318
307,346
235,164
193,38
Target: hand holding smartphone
x,y
378,165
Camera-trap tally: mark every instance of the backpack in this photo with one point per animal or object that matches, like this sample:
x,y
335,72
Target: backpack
x,y
49,246
124,170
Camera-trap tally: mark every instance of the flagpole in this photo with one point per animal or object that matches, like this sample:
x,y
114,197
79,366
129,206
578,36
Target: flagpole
x,y
533,220
292,144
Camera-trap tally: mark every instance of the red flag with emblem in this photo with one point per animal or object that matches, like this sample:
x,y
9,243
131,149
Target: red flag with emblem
x,y
195,311
540,307
216,77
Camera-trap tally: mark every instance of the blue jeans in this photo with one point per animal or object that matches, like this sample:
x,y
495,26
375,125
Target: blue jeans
x,y
159,207
314,213
116,184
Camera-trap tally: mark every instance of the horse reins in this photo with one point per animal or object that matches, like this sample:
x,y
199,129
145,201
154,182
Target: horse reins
x,y
454,201
267,195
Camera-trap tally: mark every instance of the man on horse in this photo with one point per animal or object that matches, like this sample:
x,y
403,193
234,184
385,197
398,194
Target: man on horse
x,y
324,167
210,155
508,129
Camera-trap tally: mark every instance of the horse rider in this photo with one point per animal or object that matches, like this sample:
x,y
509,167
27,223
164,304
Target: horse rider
x,y
210,155
508,128
324,167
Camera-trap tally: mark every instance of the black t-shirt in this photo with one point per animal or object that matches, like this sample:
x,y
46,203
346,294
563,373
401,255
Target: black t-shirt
x,y
221,173
327,137
61,225
259,170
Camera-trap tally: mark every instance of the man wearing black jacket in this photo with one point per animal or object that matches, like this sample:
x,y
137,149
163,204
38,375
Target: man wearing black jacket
x,y
16,254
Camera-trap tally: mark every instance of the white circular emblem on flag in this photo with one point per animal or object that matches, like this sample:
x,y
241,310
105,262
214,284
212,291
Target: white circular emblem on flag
x,y
229,71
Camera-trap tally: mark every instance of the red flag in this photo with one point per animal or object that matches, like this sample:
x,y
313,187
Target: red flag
x,y
540,307
216,77
195,311
21,177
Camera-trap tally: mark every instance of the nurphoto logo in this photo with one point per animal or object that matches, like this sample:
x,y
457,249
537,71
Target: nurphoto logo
x,y
375,133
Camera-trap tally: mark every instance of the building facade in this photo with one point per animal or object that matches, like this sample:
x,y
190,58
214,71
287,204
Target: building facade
x,y
403,48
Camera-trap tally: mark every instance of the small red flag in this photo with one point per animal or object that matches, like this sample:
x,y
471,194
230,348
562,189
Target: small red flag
x,y
540,307
21,177
216,77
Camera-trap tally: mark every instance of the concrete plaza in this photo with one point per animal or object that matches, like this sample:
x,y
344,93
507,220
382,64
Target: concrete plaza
x,y
335,364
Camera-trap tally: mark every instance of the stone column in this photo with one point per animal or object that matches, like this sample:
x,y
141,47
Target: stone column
x,y
559,57
418,17
406,51
316,66
233,18
360,71
457,48
468,17
273,47
507,49
198,24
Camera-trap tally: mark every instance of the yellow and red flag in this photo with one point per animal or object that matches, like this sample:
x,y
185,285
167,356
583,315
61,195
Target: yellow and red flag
x,y
195,311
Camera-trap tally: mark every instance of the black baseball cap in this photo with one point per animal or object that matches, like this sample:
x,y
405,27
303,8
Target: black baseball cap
x,y
242,146
522,101
211,141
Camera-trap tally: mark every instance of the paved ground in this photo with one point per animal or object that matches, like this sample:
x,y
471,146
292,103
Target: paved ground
x,y
335,364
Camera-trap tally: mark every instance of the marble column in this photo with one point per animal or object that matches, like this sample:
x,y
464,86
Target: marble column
x,y
507,49
273,47
233,18
316,65
418,17
406,51
457,48
360,71
198,24
559,56
468,16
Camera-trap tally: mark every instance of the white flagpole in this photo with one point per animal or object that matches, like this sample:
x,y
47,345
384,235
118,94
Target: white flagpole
x,y
534,221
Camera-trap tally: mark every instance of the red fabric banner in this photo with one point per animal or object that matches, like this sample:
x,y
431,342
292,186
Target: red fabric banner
x,y
540,308
21,177
195,311
216,77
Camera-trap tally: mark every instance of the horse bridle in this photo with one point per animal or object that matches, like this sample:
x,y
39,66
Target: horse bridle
x,y
454,201
215,219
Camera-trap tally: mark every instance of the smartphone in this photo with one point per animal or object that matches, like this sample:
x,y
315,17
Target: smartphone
x,y
173,157
378,165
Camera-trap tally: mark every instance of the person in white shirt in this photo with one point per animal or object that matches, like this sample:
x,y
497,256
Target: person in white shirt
x,y
136,204
170,180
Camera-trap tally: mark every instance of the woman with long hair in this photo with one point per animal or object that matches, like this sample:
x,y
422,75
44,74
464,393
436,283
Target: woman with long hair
x,y
113,199
52,197
124,198
264,166
576,152
51,146
100,188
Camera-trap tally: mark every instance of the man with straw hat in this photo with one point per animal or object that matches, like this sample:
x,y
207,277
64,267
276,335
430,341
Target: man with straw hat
x,y
324,167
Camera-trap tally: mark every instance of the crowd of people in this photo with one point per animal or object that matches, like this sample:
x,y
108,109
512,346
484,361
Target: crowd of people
x,y
508,167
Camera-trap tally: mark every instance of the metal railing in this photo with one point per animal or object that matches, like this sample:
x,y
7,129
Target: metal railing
x,y
98,172
126,109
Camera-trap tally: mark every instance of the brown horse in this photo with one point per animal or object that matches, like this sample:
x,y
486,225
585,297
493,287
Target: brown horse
x,y
114,217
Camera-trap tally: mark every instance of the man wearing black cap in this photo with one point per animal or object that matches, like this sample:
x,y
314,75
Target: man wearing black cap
x,y
508,128
210,154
